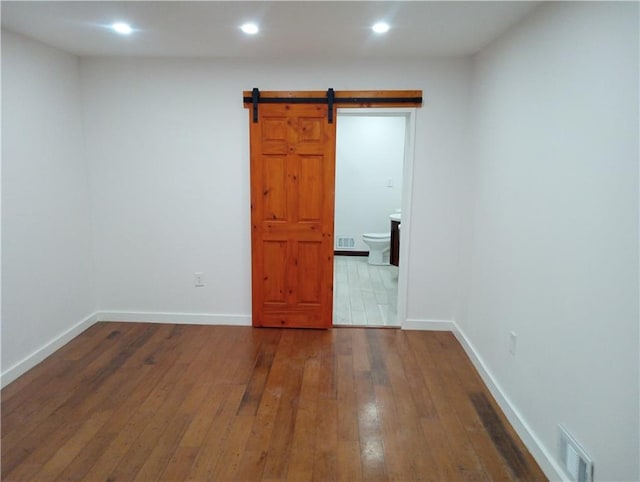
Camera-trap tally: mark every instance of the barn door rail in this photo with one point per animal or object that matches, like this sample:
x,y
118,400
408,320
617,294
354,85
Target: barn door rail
x,y
345,98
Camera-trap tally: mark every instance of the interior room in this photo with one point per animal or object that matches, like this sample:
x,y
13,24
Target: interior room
x,y
126,199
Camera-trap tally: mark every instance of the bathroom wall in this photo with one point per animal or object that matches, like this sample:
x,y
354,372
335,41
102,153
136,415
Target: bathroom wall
x,y
47,262
369,162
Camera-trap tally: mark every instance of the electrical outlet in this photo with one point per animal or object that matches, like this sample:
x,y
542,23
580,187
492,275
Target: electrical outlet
x,y
198,279
513,342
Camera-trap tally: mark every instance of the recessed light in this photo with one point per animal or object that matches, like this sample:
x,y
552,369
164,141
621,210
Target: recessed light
x,y
250,28
122,28
380,27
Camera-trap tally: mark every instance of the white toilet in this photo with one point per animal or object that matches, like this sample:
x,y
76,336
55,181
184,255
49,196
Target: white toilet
x,y
379,244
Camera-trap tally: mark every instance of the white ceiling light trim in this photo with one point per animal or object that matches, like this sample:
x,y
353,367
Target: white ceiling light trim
x,y
380,27
249,28
122,28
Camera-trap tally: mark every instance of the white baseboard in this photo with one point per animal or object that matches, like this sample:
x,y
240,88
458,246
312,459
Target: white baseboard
x,y
13,372
428,325
177,318
547,463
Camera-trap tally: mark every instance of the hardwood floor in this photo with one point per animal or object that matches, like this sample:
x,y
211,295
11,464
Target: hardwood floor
x,y
128,401
364,295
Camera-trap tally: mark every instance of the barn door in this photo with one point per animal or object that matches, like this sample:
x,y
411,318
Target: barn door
x,y
292,202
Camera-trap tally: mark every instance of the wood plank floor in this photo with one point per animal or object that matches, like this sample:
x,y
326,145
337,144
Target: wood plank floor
x,y
137,401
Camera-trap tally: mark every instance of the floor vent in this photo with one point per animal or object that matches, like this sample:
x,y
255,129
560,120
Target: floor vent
x,y
345,242
575,461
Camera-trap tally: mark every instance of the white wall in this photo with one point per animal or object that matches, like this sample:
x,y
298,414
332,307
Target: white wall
x,y
369,157
167,147
47,269
555,235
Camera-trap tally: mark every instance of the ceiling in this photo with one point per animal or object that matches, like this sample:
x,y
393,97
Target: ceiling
x,y
288,29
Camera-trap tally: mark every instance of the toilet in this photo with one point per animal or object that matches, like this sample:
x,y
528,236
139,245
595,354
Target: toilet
x,y
379,244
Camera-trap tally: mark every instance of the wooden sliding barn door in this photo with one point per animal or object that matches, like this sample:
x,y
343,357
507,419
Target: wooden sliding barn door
x,y
292,203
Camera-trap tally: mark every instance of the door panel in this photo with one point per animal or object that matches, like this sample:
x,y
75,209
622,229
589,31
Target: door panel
x,y
275,281
310,188
309,287
274,191
292,203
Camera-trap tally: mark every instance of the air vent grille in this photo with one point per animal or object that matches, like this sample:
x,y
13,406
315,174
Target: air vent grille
x,y
575,461
345,242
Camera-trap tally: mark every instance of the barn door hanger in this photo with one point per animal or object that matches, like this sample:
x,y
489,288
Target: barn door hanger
x,y
256,99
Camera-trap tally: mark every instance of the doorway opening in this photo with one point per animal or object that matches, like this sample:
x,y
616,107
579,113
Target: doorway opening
x,y
374,168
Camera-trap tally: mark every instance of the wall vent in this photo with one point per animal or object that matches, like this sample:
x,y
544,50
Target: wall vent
x,y
345,242
574,460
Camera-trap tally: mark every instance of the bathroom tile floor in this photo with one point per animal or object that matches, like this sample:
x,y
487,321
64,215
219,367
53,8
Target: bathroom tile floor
x,y
364,295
